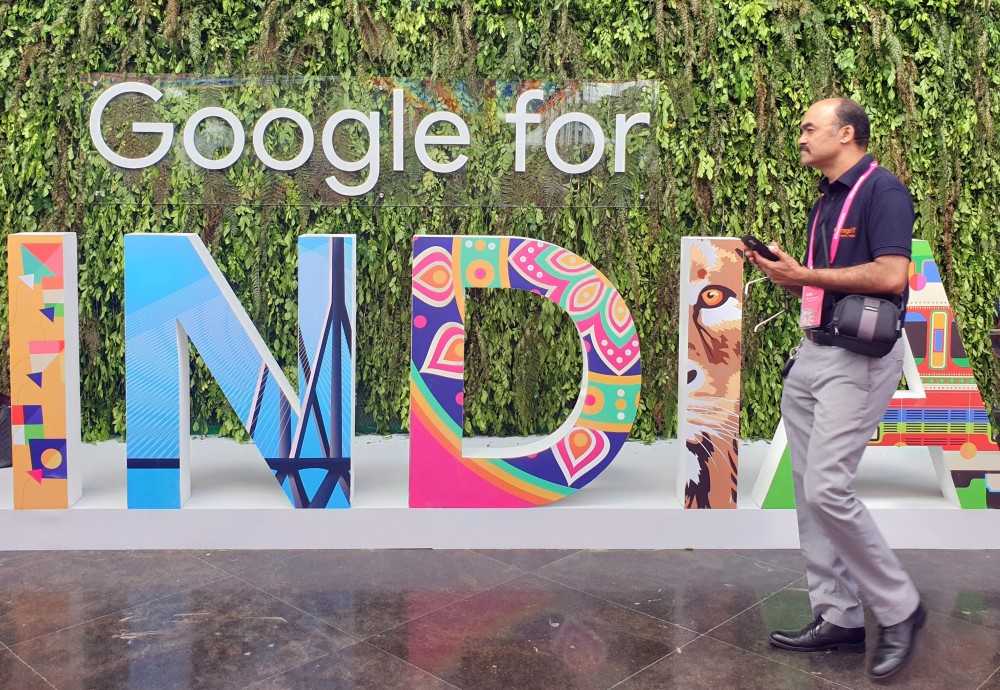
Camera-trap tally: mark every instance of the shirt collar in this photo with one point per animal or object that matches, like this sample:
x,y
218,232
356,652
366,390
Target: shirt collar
x,y
850,177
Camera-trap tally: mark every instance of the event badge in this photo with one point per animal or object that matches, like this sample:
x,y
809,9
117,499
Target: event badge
x,y
812,307
812,297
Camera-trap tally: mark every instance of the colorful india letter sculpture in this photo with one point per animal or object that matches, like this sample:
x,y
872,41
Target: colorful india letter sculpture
x,y
709,362
942,409
44,369
556,467
174,291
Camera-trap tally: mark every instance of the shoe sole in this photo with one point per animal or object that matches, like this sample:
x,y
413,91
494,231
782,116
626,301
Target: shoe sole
x,y
840,647
919,626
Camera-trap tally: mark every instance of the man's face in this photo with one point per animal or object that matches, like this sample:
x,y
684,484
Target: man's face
x,y
821,139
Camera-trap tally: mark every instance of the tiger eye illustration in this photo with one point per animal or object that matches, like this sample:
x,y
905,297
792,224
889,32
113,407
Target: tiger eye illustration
x,y
712,297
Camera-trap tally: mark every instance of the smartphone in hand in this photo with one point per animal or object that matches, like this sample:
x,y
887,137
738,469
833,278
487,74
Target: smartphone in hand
x,y
755,245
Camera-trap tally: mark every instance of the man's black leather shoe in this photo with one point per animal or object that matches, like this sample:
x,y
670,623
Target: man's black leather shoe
x,y
896,644
819,636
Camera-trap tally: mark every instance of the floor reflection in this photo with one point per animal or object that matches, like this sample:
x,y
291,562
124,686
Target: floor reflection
x,y
432,620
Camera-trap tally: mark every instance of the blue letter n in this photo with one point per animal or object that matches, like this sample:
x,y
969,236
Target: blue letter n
x,y
174,291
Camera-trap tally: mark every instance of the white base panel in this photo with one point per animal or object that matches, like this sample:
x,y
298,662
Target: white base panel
x,y
235,503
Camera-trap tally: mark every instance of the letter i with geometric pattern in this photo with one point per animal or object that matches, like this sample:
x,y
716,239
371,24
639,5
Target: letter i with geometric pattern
x,y
43,324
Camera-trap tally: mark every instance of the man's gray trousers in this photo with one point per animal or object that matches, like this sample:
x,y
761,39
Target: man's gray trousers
x,y
832,402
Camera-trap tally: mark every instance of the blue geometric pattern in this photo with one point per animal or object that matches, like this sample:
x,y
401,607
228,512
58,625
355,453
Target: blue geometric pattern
x,y
174,292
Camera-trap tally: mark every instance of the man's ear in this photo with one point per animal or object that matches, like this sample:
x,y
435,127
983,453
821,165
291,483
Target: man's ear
x,y
849,134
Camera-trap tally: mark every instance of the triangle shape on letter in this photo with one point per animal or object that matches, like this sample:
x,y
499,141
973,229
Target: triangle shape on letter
x,y
48,253
33,265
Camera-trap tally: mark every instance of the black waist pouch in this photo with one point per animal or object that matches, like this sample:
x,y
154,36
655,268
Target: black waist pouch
x,y
869,326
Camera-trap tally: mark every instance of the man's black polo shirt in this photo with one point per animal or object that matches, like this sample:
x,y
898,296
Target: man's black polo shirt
x,y
879,222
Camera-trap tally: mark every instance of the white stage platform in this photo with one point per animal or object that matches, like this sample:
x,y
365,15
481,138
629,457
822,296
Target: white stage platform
x,y
235,503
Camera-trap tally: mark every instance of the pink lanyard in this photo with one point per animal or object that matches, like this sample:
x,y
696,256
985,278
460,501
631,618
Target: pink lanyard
x,y
835,242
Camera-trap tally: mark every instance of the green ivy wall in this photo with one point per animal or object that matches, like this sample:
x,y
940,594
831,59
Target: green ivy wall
x,y
735,79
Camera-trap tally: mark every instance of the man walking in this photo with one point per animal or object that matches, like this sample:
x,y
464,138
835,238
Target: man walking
x,y
860,233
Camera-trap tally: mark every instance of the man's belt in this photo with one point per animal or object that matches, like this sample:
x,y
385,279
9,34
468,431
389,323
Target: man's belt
x,y
818,336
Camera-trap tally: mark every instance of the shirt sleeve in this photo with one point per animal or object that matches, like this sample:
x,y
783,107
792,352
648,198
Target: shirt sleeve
x,y
890,222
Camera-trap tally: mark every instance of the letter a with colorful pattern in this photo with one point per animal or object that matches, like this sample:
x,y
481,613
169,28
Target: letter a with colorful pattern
x,y
942,409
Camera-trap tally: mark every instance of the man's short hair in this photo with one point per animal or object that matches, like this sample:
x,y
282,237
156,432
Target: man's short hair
x,y
850,113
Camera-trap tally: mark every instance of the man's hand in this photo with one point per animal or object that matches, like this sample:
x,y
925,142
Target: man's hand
x,y
887,274
786,271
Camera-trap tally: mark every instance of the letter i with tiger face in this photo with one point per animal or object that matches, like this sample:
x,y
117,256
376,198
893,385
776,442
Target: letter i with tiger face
x,y
712,423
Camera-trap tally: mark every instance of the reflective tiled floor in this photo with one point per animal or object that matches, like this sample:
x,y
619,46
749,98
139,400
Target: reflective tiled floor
x,y
460,619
